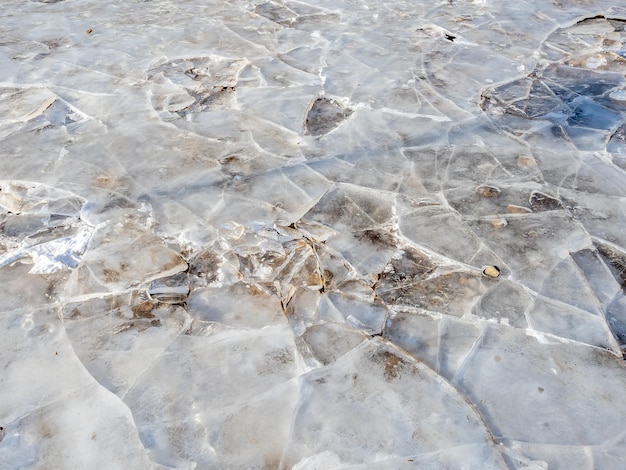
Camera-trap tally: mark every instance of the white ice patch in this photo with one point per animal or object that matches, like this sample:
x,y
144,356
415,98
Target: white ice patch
x,y
48,222
53,255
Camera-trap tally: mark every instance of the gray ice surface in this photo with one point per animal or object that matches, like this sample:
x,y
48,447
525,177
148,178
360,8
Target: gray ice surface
x,y
326,235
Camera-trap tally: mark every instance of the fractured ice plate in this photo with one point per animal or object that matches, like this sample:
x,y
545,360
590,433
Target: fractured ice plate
x,y
285,235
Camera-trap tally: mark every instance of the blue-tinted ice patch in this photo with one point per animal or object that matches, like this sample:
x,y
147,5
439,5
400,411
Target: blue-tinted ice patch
x,y
588,113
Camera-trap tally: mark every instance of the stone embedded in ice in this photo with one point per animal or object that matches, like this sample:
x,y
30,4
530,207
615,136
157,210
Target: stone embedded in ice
x,y
488,191
491,271
513,209
530,246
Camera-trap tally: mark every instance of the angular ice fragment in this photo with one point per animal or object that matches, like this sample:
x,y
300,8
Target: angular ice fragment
x,y
43,223
128,254
328,341
367,316
571,323
616,257
616,319
341,410
411,280
239,305
29,197
560,386
54,255
276,13
601,281
530,245
206,265
505,302
170,290
590,114
324,115
579,90
194,85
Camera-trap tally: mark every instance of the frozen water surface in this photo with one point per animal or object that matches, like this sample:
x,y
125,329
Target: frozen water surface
x,y
324,235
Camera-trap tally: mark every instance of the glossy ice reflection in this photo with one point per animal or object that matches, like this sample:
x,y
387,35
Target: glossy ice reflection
x,y
312,235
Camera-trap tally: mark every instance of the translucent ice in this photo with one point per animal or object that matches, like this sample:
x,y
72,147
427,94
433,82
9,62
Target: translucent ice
x,y
328,235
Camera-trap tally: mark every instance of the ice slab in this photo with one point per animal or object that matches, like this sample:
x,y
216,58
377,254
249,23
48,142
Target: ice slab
x,y
325,235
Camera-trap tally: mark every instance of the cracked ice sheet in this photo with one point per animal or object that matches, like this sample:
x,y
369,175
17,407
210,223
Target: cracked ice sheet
x,y
253,234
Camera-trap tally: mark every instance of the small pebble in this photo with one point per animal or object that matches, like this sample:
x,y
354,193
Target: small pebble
x,y
499,223
513,209
488,191
526,161
492,272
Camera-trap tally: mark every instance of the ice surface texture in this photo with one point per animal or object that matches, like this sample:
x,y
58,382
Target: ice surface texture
x,y
264,235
